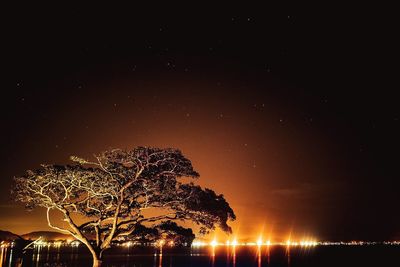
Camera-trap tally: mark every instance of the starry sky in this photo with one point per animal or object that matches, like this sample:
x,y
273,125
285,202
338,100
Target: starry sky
x,y
289,111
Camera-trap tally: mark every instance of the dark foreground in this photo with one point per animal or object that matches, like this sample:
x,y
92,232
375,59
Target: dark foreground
x,y
221,256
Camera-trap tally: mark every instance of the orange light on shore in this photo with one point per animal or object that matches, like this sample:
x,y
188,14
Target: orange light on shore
x,y
234,242
306,242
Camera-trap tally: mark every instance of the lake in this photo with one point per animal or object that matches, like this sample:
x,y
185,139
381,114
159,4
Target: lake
x,y
220,256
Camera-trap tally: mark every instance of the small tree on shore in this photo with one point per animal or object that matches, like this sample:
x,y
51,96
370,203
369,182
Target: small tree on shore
x,y
119,192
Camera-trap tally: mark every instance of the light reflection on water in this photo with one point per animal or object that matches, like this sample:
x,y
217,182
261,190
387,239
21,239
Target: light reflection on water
x,y
70,256
3,256
220,256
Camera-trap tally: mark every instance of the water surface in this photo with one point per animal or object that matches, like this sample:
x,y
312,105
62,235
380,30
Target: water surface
x,y
221,256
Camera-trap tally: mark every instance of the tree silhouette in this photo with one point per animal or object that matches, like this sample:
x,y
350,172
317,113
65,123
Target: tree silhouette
x,y
121,191
168,231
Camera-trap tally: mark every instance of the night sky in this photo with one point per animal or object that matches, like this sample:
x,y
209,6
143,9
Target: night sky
x,y
290,112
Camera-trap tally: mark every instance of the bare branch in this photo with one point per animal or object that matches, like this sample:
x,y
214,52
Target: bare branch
x,y
55,227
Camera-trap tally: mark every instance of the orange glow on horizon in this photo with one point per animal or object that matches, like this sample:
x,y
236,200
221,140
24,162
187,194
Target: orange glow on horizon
x,y
261,238
234,243
303,242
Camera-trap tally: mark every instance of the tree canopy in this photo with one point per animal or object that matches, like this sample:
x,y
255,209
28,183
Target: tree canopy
x,y
121,191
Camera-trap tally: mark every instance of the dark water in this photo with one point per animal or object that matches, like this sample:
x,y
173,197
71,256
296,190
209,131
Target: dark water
x,y
219,257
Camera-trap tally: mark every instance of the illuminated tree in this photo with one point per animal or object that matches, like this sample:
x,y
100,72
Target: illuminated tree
x,y
120,192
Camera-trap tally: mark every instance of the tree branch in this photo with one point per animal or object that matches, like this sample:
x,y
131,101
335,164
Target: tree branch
x,y
157,218
55,227
110,236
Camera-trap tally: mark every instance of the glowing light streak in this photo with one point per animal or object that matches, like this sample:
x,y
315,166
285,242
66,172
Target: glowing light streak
x,y
234,243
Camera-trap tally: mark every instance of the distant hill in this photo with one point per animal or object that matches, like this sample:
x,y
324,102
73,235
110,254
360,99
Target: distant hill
x,y
8,236
47,235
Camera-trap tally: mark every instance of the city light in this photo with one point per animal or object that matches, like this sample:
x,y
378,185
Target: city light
x,y
57,244
4,244
308,243
304,243
198,244
234,242
259,242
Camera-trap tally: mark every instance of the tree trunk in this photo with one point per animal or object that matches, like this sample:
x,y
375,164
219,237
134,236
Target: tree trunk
x,y
96,255
96,260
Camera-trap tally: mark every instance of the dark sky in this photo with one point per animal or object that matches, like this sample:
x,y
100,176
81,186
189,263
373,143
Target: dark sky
x,y
291,112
